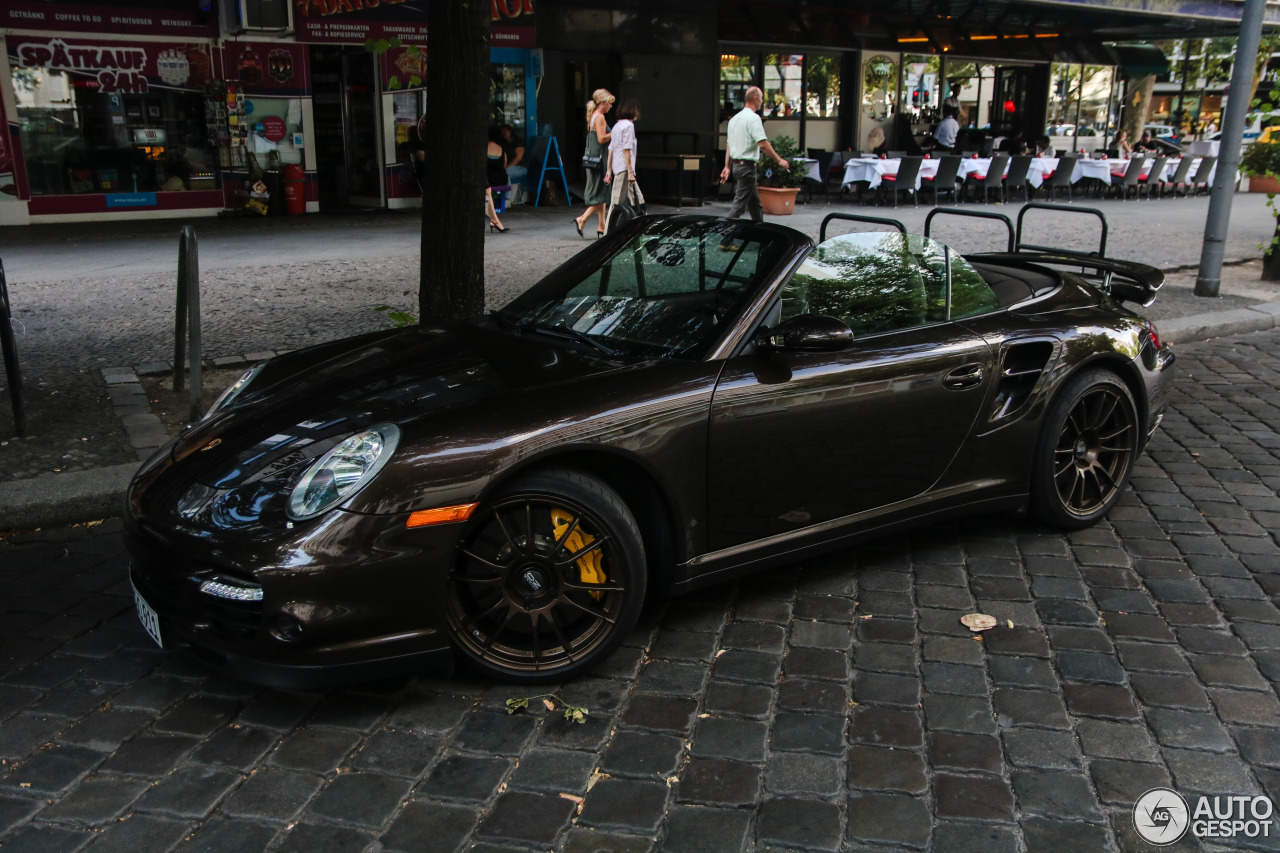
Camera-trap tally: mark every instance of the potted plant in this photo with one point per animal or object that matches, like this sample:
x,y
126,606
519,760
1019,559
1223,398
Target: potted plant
x,y
1261,162
778,186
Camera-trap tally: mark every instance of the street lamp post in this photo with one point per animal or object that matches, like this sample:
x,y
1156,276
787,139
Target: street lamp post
x,y
1209,278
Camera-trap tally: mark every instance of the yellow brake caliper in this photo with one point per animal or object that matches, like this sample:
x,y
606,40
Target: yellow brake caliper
x,y
589,565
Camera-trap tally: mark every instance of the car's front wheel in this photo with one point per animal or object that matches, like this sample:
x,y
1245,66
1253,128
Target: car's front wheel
x,y
548,580
1086,452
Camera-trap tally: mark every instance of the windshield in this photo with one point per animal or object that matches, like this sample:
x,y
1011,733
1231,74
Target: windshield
x,y
667,291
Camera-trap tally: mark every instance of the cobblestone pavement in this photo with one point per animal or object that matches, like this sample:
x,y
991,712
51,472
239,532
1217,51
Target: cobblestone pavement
x,y
834,704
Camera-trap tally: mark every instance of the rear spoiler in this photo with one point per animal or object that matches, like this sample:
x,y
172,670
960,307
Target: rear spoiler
x,y
1123,281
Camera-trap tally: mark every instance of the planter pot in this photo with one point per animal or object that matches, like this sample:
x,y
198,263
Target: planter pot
x,y
779,202
1262,184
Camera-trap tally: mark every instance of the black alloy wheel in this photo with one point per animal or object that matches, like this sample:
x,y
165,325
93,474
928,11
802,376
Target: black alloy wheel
x,y
1087,451
549,578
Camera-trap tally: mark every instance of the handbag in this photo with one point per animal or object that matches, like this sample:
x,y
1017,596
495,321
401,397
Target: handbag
x,y
592,162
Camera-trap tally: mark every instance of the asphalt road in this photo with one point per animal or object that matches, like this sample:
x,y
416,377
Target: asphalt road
x,y
835,704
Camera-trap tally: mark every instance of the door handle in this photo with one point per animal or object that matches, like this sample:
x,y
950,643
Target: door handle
x,y
968,376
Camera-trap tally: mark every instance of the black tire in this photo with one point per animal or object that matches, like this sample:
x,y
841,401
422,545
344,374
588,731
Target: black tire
x,y
1086,452
524,602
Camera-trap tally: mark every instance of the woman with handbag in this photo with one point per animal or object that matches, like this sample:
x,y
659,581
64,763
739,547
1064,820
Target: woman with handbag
x,y
621,172
596,194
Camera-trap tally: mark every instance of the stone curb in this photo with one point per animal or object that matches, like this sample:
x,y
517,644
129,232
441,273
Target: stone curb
x,y
55,500
59,499
1198,327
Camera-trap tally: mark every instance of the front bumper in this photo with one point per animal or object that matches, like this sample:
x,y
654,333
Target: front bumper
x,y
365,604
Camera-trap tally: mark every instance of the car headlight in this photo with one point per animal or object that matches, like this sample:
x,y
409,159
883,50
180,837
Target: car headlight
x,y
342,471
234,389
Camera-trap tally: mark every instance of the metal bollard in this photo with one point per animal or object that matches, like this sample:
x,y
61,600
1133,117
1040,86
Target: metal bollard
x,y
187,319
10,351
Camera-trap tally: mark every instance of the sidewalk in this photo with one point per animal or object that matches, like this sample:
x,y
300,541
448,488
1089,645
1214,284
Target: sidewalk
x,y
93,307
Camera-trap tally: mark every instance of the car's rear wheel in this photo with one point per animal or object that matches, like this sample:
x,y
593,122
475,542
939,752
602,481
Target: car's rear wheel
x,y
549,578
1086,452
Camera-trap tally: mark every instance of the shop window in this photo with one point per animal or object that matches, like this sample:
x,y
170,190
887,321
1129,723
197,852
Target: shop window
x,y
783,84
506,96
822,86
879,87
79,139
737,74
265,15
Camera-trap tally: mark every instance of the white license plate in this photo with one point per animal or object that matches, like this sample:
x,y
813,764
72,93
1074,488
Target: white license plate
x,y
150,621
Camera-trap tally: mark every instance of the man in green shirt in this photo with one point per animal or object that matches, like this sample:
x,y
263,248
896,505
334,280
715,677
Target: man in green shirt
x,y
746,141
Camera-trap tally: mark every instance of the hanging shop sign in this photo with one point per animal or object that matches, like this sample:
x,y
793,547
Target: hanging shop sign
x,y
354,22
511,23
140,17
116,66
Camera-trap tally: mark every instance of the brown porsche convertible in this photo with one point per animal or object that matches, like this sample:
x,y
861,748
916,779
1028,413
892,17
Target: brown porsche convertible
x,y
685,401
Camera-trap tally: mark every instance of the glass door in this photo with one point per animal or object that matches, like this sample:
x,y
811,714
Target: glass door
x,y
361,124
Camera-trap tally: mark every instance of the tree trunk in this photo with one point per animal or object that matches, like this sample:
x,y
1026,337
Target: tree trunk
x,y
451,282
1137,105
1271,260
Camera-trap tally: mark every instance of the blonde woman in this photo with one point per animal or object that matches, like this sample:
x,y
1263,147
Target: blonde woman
x,y
596,194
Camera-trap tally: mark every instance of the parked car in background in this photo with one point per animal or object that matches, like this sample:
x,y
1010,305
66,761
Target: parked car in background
x,y
1167,132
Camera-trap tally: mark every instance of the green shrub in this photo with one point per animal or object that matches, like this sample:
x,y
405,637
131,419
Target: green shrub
x,y
770,174
1261,158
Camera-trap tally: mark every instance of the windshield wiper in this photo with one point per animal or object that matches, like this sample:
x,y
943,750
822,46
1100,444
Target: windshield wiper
x,y
505,322
567,332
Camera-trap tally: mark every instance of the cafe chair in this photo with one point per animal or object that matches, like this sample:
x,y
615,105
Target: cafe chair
x,y
945,180
1061,178
1200,182
1019,167
904,181
824,159
1152,178
992,180
1130,180
1179,178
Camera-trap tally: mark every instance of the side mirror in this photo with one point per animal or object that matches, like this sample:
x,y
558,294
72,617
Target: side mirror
x,y
806,333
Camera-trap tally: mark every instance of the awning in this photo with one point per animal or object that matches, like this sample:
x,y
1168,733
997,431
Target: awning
x,y
1139,60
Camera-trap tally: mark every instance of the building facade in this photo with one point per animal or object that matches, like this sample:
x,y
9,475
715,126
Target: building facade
x,y
173,107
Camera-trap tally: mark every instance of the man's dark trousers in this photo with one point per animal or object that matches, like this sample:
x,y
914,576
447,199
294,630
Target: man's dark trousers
x,y
746,196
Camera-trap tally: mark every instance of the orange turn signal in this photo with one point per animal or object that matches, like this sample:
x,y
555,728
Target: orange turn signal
x,y
440,515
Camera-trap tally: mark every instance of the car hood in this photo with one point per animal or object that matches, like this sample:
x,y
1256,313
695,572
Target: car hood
x,y
306,402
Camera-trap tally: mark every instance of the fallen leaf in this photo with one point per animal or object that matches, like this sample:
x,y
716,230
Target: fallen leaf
x,y
978,621
571,797
1009,622
866,616
548,704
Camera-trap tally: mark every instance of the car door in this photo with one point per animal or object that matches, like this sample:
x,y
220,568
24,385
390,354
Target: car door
x,y
799,438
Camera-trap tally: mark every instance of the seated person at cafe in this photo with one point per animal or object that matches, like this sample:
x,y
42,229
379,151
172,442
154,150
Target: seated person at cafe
x,y
1146,143
945,135
1013,144
1044,148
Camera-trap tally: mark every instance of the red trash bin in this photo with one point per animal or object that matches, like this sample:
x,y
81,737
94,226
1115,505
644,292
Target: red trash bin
x,y
295,189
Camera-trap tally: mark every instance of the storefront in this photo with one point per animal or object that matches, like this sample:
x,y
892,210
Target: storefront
x,y
105,112
112,111
368,78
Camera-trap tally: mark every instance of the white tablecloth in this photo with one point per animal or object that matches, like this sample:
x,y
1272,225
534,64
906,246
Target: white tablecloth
x,y
873,170
1042,168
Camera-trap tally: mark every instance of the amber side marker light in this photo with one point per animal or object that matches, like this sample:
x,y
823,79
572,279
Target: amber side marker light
x,y
440,515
